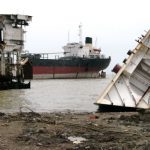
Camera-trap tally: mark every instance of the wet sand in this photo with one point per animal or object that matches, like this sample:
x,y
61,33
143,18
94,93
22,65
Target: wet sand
x,y
75,131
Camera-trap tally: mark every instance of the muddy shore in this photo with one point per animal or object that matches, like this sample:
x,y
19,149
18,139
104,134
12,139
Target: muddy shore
x,y
75,131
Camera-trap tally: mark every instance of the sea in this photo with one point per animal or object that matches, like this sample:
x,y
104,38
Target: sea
x,y
55,95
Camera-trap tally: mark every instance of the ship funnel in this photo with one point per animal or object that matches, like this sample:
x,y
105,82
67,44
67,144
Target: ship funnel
x,y
88,40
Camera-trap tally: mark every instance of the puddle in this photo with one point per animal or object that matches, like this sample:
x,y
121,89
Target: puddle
x,y
76,140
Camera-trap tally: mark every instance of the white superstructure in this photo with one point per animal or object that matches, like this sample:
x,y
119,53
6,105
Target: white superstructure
x,y
83,51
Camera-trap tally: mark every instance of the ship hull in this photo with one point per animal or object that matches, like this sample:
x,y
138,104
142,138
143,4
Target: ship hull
x,y
68,68
66,75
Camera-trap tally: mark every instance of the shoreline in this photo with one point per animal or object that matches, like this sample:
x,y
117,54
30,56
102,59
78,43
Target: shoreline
x,y
74,131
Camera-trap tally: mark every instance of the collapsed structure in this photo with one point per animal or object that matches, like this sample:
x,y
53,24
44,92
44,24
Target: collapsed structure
x,y
11,45
130,87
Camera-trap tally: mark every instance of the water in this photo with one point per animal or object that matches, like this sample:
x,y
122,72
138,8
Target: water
x,y
76,95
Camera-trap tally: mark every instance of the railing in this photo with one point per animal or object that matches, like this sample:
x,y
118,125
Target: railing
x,y
54,55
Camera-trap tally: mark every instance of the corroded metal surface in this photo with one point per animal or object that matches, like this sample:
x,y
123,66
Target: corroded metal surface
x,y
11,45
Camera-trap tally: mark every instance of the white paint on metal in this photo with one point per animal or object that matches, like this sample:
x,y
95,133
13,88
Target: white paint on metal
x,y
80,50
130,87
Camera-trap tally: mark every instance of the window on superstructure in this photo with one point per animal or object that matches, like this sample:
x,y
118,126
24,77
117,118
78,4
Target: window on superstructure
x,y
91,56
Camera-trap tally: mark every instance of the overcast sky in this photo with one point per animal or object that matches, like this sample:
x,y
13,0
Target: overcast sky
x,y
114,23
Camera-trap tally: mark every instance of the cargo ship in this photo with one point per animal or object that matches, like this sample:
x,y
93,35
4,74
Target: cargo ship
x,y
79,61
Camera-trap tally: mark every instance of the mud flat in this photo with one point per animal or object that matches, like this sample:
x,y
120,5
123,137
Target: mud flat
x,y
75,131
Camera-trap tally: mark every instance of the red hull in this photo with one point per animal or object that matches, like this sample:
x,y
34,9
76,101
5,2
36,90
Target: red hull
x,y
61,70
64,72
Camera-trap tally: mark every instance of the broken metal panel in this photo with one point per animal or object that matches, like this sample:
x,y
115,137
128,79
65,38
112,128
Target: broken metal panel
x,y
11,45
114,93
13,31
123,86
136,59
13,38
131,85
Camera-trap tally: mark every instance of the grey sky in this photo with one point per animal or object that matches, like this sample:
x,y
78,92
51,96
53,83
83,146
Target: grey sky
x,y
114,23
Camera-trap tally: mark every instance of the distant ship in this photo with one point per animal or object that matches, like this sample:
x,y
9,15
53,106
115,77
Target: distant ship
x,y
79,61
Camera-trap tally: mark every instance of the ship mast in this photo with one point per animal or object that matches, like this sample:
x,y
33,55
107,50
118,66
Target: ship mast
x,y
80,34
68,37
